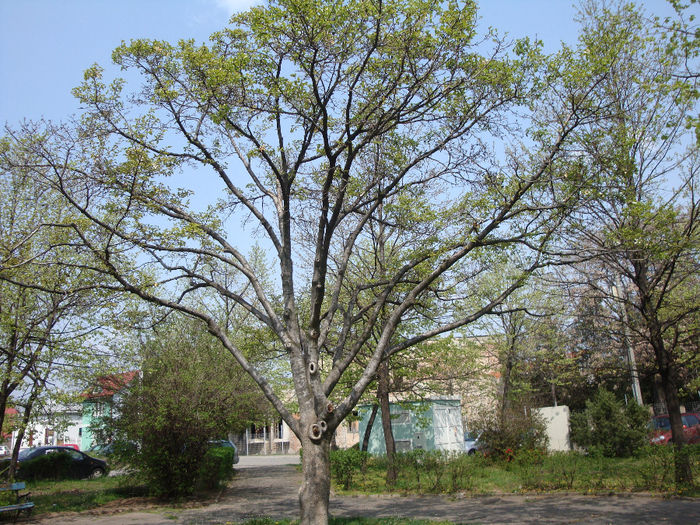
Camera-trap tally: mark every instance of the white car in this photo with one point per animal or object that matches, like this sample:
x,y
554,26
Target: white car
x,y
471,443
4,451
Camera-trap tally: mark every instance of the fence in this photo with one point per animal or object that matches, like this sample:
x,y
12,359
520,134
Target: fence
x,y
260,443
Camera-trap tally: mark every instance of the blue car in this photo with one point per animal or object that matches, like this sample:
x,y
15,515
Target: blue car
x,y
81,465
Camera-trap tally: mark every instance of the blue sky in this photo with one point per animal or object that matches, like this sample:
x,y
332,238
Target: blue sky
x,y
45,45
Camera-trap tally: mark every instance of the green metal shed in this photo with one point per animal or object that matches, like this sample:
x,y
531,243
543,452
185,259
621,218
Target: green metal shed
x,y
430,424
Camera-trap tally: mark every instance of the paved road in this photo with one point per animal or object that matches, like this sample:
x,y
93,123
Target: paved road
x,y
267,486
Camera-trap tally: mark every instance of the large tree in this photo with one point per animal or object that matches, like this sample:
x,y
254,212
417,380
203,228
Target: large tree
x,y
276,123
642,224
48,304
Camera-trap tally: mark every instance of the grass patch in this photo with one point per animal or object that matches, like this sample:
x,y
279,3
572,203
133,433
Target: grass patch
x,y
528,472
79,495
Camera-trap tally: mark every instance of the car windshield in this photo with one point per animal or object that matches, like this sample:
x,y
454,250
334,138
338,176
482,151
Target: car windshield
x,y
24,454
663,423
689,420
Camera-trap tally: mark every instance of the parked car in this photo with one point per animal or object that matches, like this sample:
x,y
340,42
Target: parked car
x,y
661,428
81,465
226,443
471,443
4,451
101,449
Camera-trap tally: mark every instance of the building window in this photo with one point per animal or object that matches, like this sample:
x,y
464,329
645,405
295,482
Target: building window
x,y
259,432
401,418
280,430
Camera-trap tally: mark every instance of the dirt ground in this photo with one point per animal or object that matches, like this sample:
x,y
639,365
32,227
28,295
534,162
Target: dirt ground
x,y
267,486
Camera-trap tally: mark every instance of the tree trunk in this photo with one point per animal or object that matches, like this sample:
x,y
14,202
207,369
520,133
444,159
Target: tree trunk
x,y
15,452
21,431
659,396
316,484
669,383
3,407
368,430
383,394
505,400
683,472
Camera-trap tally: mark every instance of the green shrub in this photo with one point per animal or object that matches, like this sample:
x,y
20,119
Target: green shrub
x,y
505,436
49,466
460,469
216,467
186,395
610,428
7,497
566,469
346,463
434,471
411,466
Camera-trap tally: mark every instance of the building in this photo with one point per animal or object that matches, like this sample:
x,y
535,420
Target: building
x,y
100,402
430,424
56,425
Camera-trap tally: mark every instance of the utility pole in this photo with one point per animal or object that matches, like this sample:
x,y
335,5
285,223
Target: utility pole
x,y
631,362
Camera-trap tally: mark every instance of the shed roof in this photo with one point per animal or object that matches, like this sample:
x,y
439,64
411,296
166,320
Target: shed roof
x,y
108,385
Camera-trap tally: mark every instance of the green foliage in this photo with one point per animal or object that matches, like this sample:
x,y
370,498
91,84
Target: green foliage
x,y
650,470
7,497
610,428
190,392
422,472
49,299
48,466
216,467
508,433
79,495
346,463
434,471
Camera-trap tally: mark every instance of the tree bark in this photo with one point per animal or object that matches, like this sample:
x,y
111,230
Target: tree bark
x,y
667,371
505,400
383,394
659,396
21,431
368,430
316,484
683,472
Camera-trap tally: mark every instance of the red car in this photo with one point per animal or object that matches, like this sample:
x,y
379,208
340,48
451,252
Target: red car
x,y
661,428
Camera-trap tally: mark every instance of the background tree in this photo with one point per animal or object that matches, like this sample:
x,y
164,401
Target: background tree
x,y
48,303
279,113
609,427
187,393
525,340
644,233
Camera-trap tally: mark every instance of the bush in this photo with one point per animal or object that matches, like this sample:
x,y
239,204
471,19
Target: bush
x,y
345,463
49,466
516,431
434,471
216,467
188,393
609,428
